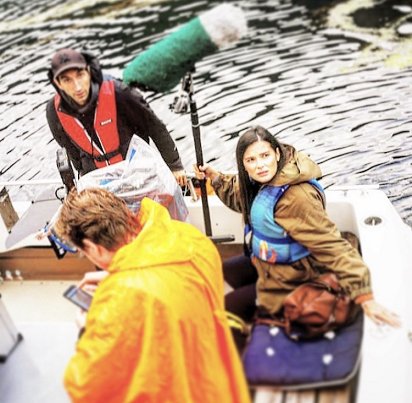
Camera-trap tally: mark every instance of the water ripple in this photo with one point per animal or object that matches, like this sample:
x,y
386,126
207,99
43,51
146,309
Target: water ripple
x,y
333,91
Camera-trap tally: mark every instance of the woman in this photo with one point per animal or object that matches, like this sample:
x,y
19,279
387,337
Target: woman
x,y
293,238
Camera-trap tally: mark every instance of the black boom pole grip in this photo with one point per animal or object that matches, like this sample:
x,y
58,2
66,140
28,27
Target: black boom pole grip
x,y
199,161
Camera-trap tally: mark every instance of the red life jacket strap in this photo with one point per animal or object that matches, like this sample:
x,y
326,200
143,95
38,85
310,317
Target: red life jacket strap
x,y
105,126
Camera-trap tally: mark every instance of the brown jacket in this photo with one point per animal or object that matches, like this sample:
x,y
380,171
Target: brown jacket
x,y
301,212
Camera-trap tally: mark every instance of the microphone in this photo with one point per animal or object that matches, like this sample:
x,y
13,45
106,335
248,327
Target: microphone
x,y
161,66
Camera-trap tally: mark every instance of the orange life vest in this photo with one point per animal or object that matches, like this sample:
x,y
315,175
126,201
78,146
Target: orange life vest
x,y
105,125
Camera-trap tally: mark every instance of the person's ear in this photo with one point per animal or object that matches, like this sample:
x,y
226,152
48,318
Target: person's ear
x,y
90,247
96,253
57,83
277,152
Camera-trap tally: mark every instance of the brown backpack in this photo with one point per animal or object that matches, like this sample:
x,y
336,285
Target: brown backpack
x,y
314,308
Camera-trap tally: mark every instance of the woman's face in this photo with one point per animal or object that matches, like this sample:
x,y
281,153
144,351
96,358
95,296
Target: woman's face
x,y
261,161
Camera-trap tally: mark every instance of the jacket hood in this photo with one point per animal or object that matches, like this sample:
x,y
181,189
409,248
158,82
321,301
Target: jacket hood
x,y
298,168
95,70
161,240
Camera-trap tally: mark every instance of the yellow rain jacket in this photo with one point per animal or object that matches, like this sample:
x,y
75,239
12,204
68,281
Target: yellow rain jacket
x,y
156,330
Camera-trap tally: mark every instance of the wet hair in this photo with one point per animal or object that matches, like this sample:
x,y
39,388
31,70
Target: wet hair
x,y
97,215
249,188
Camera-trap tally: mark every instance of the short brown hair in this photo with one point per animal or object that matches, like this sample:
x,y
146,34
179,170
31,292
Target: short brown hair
x,y
98,215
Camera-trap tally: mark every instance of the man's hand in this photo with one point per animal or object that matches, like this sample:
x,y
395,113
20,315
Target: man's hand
x,y
180,177
91,280
81,319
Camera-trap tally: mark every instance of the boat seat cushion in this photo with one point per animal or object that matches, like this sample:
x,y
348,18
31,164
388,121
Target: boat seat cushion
x,y
271,358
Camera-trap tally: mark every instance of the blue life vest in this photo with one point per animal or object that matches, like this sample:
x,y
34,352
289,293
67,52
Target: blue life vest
x,y
270,241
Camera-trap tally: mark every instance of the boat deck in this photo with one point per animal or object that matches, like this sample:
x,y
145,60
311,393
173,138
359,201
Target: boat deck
x,y
46,319
342,394
34,370
47,323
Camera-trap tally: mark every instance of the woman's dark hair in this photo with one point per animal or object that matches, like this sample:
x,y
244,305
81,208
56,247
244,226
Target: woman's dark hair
x,y
249,188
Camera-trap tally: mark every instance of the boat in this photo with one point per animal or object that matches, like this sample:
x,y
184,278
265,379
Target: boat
x,y
366,211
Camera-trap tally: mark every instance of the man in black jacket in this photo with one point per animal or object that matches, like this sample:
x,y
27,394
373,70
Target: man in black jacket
x,y
94,117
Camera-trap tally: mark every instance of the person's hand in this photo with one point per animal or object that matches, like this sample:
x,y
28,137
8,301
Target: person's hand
x,y
379,314
41,234
91,280
81,318
205,171
180,177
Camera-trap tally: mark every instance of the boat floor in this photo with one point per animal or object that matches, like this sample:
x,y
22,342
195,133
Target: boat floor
x,y
34,370
386,367
46,320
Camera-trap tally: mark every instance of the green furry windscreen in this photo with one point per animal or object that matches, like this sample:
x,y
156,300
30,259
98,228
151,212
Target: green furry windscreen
x,y
161,67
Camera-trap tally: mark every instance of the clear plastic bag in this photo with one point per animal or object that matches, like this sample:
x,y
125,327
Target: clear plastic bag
x,y
142,174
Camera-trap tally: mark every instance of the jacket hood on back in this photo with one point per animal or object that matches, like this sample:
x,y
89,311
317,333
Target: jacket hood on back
x,y
160,240
298,168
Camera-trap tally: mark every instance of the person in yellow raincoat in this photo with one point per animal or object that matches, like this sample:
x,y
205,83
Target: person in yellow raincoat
x,y
156,330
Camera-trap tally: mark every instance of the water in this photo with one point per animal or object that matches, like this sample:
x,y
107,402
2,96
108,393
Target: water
x,y
332,78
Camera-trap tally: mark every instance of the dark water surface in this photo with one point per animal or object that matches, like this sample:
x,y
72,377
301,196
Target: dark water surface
x,y
333,78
